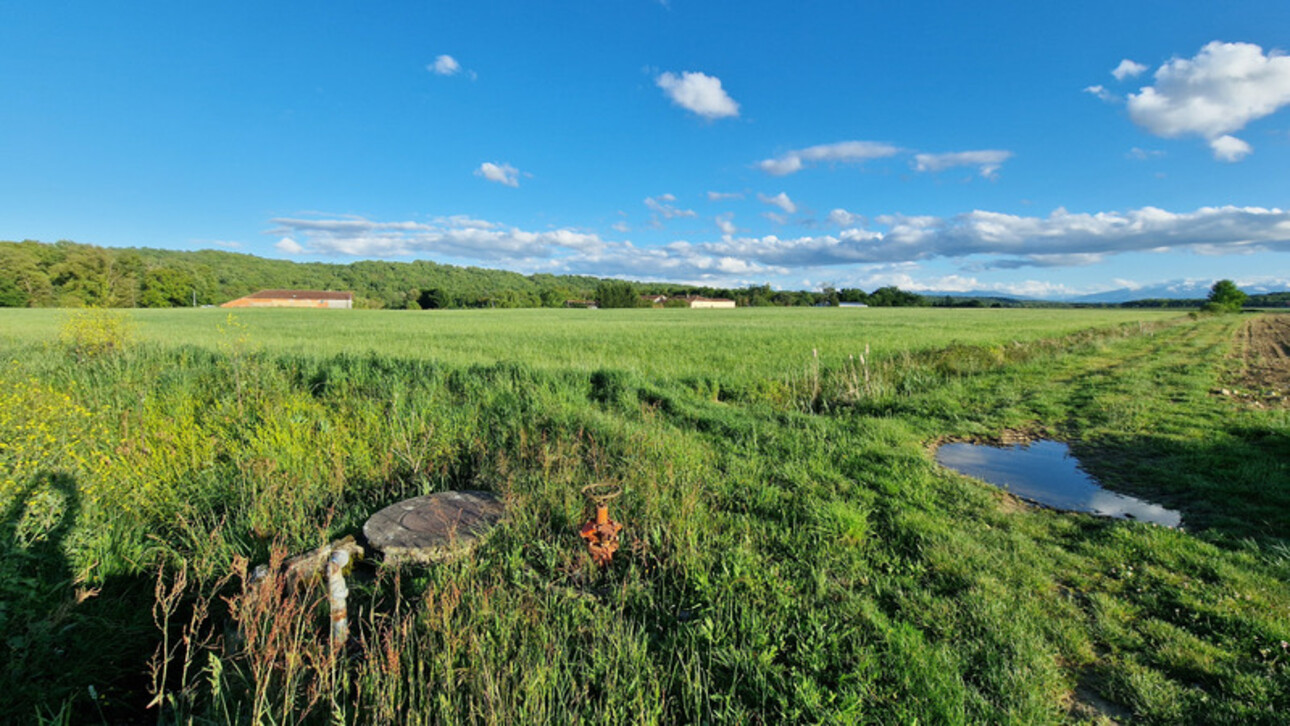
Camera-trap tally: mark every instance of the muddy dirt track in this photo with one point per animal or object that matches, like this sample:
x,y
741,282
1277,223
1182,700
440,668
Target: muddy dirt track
x,y
1264,347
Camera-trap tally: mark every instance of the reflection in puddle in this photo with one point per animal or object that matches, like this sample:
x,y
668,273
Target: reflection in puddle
x,y
1047,473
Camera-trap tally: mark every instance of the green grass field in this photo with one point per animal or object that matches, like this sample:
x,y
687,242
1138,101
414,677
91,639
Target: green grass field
x,y
669,343
791,553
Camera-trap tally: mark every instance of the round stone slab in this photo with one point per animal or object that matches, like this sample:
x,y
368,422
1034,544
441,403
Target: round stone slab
x,y
434,527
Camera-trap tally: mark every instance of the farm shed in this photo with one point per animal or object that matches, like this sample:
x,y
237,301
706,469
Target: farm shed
x,y
294,299
709,302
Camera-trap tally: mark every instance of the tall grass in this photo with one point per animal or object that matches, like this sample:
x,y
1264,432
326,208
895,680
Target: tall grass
x,y
746,343
792,554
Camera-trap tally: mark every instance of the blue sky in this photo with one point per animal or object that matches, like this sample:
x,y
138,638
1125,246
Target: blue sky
x,y
1046,149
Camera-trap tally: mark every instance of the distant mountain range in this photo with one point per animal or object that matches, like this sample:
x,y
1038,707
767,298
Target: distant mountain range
x,y
1176,290
1171,290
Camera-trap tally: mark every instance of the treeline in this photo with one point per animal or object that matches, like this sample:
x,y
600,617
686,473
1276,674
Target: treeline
x,y
66,274
628,294
1268,300
1253,300
1154,302
955,301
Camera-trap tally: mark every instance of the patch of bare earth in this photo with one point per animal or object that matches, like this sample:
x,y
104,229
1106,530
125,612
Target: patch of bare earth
x,y
1006,437
1263,348
1085,705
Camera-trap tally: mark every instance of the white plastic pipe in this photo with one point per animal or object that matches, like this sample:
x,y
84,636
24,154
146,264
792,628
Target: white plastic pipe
x,y
336,594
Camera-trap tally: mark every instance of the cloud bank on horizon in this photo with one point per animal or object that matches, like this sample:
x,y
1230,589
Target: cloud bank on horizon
x,y
979,239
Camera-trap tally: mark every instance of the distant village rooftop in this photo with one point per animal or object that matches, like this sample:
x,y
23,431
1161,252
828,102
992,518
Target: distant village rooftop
x,y
294,299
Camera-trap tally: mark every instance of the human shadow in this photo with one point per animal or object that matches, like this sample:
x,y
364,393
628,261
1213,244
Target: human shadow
x,y
35,588
70,651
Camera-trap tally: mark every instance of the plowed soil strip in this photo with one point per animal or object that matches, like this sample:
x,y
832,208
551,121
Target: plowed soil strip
x,y
1265,353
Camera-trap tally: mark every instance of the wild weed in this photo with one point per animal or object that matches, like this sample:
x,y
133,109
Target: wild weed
x,y
96,332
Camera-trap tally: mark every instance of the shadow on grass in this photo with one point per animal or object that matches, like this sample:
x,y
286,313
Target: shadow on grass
x,y
1232,486
60,636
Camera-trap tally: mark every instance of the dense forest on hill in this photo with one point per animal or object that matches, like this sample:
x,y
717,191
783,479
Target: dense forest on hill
x,y
66,274
33,274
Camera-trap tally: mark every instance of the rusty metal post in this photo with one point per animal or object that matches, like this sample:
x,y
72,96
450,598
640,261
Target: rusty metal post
x,y
600,531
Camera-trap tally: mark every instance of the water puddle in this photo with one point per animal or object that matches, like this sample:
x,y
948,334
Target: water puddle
x,y
1047,473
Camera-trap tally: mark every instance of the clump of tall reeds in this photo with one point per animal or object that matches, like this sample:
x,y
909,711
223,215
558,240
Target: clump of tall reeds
x,y
261,653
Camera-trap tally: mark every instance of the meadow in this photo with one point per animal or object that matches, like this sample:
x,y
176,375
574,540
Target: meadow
x,y
791,554
665,343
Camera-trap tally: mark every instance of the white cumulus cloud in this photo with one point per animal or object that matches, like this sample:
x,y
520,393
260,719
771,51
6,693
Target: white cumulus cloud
x,y
1128,69
663,206
699,93
780,200
987,161
726,223
500,173
1101,92
289,246
847,152
456,237
1229,148
1218,91
445,65
843,218
1144,154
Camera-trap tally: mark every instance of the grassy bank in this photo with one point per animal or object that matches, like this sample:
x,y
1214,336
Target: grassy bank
x,y
792,552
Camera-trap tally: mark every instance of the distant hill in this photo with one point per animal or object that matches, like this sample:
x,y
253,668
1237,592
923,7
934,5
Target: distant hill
x,y
66,274
987,298
69,274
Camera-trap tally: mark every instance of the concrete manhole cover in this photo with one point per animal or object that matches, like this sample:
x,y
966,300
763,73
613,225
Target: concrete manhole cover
x,y
434,527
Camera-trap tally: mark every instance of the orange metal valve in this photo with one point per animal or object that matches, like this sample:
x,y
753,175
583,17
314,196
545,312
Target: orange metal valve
x,y
600,531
